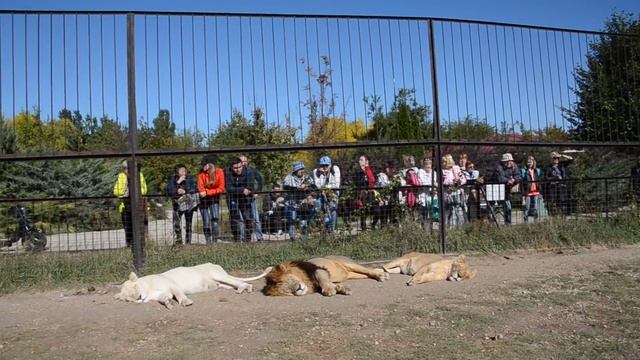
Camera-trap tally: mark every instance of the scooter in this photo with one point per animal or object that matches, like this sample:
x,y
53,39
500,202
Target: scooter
x,y
33,239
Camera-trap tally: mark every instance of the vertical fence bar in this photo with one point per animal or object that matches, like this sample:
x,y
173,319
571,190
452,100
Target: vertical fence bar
x,y
436,133
134,189
606,198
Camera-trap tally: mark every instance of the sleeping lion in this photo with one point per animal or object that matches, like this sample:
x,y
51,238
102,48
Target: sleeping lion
x,y
430,267
179,282
317,275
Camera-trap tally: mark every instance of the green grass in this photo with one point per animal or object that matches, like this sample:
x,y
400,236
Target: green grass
x,y
58,270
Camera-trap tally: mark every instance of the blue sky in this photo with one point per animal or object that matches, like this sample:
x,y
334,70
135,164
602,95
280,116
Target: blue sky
x,y
494,73
557,13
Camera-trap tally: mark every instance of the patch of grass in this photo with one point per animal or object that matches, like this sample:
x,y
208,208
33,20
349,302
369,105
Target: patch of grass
x,y
54,270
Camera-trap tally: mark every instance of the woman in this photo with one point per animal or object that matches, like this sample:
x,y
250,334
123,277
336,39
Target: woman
x,y
211,184
365,182
453,179
181,188
427,197
531,192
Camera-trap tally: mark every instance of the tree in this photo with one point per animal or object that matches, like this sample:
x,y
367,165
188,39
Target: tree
x,y
162,135
407,120
608,105
240,131
7,138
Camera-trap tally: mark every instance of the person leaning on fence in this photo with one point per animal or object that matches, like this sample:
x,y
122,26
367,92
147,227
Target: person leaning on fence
x,y
507,173
453,180
211,184
326,178
258,186
182,189
274,215
473,198
240,185
531,185
121,190
427,198
557,186
386,196
365,182
299,202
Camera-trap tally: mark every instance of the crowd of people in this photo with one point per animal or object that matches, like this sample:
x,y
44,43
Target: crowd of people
x,y
375,198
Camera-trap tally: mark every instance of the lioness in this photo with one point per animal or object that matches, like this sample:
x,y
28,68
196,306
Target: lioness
x,y
430,267
179,282
317,275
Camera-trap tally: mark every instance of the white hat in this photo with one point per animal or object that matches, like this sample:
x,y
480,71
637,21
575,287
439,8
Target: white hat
x,y
506,157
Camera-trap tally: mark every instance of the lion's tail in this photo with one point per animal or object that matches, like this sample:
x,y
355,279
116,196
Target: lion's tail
x,y
264,273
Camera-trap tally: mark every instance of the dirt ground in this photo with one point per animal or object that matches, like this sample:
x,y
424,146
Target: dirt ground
x,y
580,303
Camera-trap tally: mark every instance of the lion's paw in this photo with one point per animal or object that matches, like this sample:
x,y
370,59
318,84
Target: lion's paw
x,y
410,282
384,276
245,288
186,302
341,289
329,291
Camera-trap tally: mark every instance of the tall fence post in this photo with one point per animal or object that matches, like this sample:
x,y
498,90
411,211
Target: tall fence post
x,y
134,178
436,135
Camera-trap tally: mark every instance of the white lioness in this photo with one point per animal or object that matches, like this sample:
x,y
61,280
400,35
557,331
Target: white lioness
x,y
179,282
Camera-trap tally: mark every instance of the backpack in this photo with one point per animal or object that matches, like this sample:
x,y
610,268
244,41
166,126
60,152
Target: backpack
x,y
411,177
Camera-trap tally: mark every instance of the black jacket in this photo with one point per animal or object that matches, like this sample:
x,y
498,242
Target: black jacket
x,y
235,184
188,185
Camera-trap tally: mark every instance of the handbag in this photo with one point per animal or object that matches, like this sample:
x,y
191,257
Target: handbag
x,y
188,202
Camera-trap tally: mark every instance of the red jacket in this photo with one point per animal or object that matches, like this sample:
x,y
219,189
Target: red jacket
x,y
216,187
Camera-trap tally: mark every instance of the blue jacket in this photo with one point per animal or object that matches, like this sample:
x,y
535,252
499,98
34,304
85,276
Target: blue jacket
x,y
188,185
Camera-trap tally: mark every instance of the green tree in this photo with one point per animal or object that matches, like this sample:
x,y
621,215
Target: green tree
x,y
241,131
7,138
407,119
608,103
163,135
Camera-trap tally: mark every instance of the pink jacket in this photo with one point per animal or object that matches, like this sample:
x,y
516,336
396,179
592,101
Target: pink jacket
x,y
450,175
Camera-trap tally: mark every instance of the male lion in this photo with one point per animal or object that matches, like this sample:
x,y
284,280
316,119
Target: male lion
x,y
317,275
430,267
179,282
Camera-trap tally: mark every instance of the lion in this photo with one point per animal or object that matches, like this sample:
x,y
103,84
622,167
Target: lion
x,y
322,275
179,282
430,267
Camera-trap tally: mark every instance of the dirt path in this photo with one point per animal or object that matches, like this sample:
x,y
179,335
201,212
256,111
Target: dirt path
x,y
224,325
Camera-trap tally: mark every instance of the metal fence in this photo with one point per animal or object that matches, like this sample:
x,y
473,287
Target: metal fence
x,y
343,86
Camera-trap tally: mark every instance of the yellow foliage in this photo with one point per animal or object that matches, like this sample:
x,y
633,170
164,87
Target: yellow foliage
x,y
330,131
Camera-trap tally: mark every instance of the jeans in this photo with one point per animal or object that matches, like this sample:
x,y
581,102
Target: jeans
x,y
240,213
330,213
255,214
177,229
506,206
530,207
210,211
292,215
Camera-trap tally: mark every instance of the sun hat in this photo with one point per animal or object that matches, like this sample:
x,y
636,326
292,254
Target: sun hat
x,y
298,165
325,160
506,157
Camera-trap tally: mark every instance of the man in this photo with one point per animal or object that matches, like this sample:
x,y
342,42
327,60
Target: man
x,y
326,177
181,188
507,173
259,184
121,190
240,185
558,190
